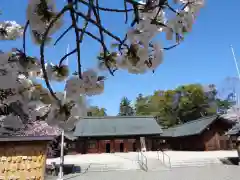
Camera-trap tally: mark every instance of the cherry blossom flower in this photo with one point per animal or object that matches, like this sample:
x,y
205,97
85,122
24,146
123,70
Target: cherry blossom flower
x,y
111,61
37,37
4,57
90,78
156,57
28,103
10,30
40,13
96,89
74,87
41,128
233,114
141,55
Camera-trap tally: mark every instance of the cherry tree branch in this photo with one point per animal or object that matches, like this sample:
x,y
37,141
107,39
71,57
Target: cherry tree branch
x,y
66,55
45,35
93,7
63,34
105,50
24,36
74,24
106,9
99,26
86,22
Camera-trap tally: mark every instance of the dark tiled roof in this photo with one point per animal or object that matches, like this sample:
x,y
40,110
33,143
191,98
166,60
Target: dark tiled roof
x,y
69,135
235,130
26,138
191,128
117,126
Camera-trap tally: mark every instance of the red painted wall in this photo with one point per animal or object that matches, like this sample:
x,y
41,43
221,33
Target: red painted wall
x,y
99,146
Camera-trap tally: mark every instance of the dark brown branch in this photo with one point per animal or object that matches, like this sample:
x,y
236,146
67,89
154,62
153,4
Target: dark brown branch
x,y
126,12
105,51
107,9
66,55
24,36
63,34
100,27
136,13
99,40
154,21
74,23
185,5
86,23
76,8
172,9
156,16
45,35
171,47
90,34
121,44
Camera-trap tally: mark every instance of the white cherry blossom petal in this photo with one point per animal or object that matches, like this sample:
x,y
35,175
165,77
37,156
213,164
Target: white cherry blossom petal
x,y
11,30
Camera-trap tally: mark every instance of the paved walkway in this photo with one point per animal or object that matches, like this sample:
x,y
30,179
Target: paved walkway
x,y
216,172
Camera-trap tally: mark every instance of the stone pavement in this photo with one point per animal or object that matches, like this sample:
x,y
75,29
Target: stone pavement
x,y
213,172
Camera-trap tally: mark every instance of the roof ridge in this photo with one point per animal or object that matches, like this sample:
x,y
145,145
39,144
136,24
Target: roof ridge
x,y
135,125
114,117
187,129
196,120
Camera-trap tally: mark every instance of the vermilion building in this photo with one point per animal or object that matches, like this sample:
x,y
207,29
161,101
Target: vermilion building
x,y
125,134
204,134
114,134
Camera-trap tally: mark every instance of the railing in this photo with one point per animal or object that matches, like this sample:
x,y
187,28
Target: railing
x,y
143,143
164,156
142,161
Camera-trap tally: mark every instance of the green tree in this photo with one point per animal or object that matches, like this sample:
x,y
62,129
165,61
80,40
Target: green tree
x,y
97,112
164,108
195,102
125,108
142,105
159,105
183,104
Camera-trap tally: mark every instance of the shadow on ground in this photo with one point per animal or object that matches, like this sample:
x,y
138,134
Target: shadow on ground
x,y
53,170
230,160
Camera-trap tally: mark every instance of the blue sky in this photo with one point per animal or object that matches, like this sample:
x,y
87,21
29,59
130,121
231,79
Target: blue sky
x,y
204,57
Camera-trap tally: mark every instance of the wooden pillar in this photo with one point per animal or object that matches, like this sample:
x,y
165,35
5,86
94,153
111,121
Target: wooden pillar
x,y
231,143
238,149
126,145
112,145
218,141
97,146
138,144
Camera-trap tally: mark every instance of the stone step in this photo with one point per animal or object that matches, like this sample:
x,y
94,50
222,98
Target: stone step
x,y
155,165
109,167
195,162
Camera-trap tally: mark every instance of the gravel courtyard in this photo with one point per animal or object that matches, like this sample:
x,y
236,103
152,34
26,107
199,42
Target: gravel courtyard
x,y
213,172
